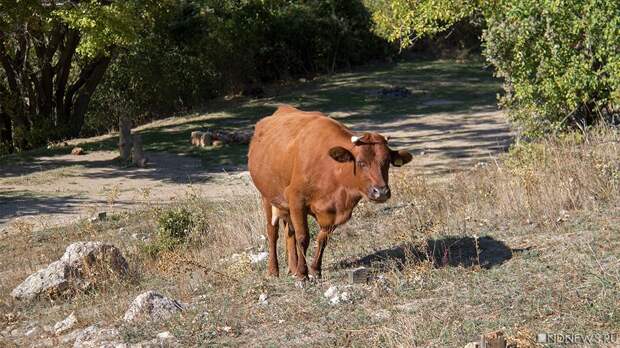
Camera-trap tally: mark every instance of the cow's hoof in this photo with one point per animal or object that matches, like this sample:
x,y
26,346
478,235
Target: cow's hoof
x,y
274,274
314,277
301,283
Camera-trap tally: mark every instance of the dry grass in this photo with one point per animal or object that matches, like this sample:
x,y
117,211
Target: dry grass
x,y
525,244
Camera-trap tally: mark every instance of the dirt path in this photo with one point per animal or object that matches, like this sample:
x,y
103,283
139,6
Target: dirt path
x,y
57,190
62,189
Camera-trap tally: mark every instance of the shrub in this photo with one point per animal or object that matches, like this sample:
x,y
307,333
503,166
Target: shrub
x,y
560,61
173,230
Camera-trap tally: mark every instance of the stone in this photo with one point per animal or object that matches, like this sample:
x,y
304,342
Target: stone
x,y
331,292
166,335
262,299
260,257
98,216
78,151
93,336
218,143
335,296
32,331
65,325
75,271
358,275
151,306
473,345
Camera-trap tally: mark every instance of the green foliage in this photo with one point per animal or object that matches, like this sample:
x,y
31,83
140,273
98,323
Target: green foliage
x,y
173,230
560,60
196,50
53,56
403,21
102,27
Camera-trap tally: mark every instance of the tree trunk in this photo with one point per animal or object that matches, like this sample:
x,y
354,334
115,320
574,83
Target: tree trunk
x,y
6,133
80,105
75,106
37,94
124,138
137,152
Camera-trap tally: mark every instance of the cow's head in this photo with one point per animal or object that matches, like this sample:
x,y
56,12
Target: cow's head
x,y
371,159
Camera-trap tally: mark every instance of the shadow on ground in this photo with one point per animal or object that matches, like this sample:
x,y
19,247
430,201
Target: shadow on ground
x,y
24,203
452,251
458,92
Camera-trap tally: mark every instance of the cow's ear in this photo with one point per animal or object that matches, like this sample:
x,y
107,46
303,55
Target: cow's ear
x,y
341,154
400,157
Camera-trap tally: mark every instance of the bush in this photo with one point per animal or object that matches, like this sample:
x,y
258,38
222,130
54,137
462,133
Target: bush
x,y
560,61
173,230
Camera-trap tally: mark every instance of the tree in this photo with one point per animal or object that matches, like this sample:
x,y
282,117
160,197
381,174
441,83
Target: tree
x,y
560,60
404,21
53,54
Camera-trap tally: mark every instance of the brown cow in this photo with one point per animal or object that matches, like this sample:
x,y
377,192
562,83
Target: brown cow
x,y
307,163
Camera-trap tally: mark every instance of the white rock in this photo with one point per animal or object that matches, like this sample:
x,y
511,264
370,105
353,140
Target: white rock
x,y
65,325
66,275
331,292
33,331
93,336
260,257
335,297
262,299
335,300
166,335
152,306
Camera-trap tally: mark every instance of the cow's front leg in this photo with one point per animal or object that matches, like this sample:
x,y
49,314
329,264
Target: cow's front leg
x,y
321,242
299,219
291,249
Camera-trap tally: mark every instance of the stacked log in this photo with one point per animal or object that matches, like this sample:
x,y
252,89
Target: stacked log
x,y
218,138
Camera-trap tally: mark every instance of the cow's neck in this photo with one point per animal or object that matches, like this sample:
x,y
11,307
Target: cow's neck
x,y
336,204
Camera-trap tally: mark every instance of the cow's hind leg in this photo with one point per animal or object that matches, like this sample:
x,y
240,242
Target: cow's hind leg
x,y
272,239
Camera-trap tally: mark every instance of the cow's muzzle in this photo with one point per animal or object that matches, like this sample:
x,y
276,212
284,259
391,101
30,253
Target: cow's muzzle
x,y
379,194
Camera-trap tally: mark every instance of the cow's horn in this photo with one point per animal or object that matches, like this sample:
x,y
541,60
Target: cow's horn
x,y
355,139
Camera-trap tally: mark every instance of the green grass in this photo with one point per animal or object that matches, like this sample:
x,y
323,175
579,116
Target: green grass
x,y
350,97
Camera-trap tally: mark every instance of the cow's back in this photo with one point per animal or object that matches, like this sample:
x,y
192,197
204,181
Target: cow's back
x,y
278,144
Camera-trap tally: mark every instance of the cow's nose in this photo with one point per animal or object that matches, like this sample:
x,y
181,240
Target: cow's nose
x,y
379,193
